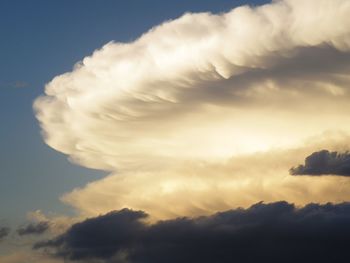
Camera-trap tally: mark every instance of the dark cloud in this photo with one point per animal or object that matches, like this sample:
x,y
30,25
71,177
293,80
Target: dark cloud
x,y
99,237
324,163
35,229
4,231
276,232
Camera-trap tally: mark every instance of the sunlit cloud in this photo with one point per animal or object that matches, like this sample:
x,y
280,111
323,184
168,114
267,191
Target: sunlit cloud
x,y
208,112
197,188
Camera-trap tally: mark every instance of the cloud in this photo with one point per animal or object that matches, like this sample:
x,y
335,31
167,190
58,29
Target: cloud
x,y
163,94
24,256
125,222
275,232
33,229
4,232
195,188
324,163
171,114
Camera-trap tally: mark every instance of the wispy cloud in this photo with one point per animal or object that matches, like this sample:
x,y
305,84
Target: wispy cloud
x,y
33,229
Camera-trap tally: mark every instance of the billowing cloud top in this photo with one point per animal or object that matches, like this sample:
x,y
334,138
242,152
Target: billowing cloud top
x,y
128,103
212,108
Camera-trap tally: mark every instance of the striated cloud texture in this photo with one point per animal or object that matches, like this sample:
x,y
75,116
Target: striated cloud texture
x,y
208,111
133,102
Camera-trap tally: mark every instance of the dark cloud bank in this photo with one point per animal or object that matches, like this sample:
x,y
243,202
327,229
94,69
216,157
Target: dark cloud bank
x,y
324,163
33,229
4,231
275,232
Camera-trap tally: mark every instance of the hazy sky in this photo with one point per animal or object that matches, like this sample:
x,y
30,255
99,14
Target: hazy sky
x,y
159,110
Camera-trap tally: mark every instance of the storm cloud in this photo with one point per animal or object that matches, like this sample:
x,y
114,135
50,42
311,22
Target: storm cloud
x,y
132,104
324,163
203,88
33,229
275,232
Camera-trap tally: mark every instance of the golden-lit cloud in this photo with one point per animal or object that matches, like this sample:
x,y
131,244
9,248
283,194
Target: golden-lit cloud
x,y
208,112
197,188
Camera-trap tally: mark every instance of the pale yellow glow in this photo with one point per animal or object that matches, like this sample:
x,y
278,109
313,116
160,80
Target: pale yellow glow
x,y
196,188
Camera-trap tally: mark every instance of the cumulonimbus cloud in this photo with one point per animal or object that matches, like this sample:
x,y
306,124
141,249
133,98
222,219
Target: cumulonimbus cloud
x,y
121,103
203,88
275,232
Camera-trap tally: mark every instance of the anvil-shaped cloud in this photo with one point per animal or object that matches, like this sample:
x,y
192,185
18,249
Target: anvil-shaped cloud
x,y
184,109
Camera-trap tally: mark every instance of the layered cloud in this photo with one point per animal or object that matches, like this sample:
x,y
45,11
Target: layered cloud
x,y
197,188
275,232
207,112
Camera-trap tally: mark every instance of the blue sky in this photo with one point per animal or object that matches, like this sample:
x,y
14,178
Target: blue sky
x,y
41,39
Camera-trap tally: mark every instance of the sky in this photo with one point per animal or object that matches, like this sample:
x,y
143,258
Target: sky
x,y
212,126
